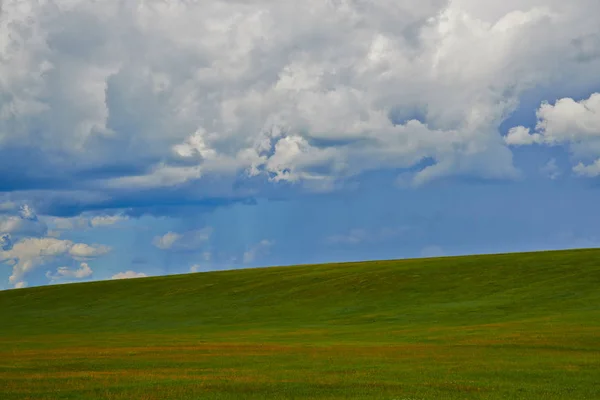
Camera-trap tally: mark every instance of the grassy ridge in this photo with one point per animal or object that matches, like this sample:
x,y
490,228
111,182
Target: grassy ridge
x,y
499,326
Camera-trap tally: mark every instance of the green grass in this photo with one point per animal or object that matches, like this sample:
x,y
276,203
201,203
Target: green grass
x,y
514,326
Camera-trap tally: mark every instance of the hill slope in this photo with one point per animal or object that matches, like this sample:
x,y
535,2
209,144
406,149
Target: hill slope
x,y
496,306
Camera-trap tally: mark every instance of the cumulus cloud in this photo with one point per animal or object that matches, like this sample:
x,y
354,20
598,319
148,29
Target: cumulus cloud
x,y
521,136
67,273
31,253
260,249
129,275
22,222
570,122
185,241
105,102
566,121
591,171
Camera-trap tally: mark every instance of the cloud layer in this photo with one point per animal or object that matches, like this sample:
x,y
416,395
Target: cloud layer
x,y
107,104
111,110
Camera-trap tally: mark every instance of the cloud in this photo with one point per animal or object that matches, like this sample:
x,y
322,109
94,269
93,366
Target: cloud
x,y
8,207
166,241
551,170
185,241
106,220
521,136
206,256
27,213
83,222
66,273
85,251
65,224
196,268
567,122
260,249
5,242
23,222
432,251
20,285
591,171
129,275
106,104
31,253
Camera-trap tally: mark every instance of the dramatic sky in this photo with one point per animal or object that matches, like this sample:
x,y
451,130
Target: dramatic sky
x,y
149,137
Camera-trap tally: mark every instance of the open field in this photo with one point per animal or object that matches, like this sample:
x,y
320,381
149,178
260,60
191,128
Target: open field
x,y
515,326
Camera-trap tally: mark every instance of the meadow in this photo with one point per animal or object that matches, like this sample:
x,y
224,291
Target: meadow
x,y
509,326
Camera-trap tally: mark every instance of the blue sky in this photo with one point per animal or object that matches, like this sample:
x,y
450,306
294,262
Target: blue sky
x,y
157,137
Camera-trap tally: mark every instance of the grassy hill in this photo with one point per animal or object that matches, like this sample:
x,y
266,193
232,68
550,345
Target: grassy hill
x,y
513,326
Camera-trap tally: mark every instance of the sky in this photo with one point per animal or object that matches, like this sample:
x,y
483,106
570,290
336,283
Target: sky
x,y
153,137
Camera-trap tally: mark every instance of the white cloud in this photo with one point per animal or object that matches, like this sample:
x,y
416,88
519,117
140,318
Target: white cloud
x,y
520,136
129,275
20,285
23,222
567,121
551,170
65,224
30,253
432,251
591,170
262,248
189,240
166,241
570,122
106,220
84,251
83,222
301,94
26,212
196,268
67,273
206,256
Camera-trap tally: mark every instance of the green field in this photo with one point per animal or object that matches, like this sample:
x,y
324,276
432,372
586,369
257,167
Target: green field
x,y
514,326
